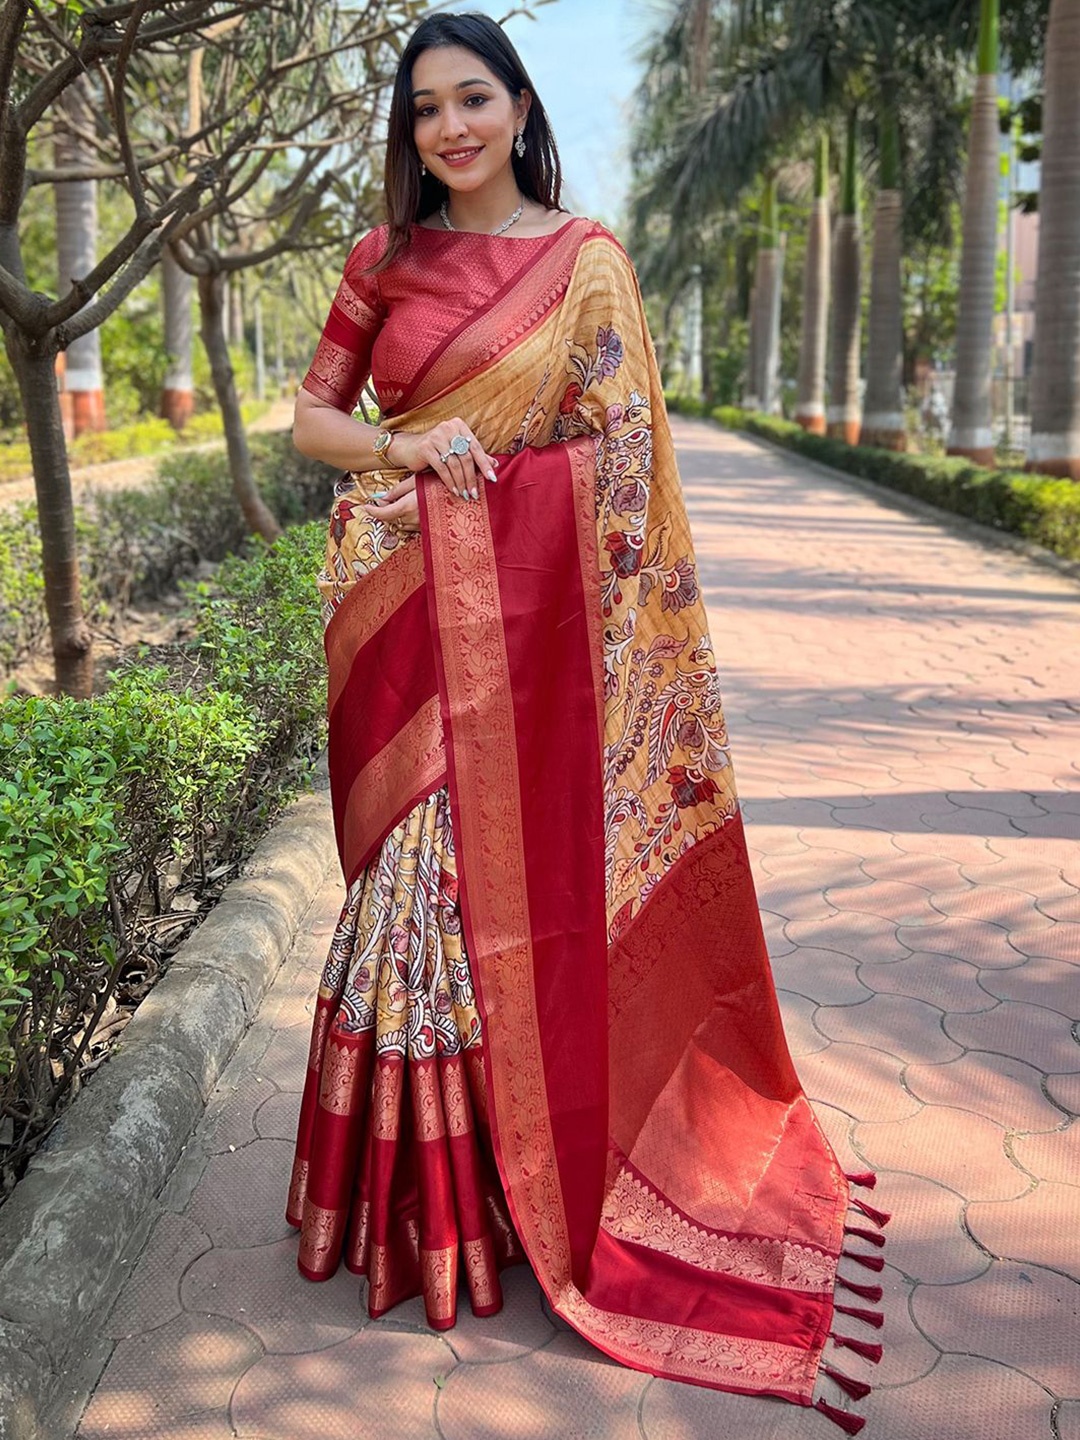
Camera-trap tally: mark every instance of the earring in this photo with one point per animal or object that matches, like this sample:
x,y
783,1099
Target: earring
x,y
423,168
519,143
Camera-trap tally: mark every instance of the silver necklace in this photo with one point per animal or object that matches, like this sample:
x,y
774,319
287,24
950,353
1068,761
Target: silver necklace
x,y
498,228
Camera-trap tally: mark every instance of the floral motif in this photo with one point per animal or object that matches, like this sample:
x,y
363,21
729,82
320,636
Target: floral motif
x,y
690,787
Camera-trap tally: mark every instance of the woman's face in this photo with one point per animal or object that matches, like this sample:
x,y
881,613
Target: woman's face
x,y
464,118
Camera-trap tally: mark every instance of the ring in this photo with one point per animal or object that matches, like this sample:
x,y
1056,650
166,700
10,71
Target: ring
x,y
459,445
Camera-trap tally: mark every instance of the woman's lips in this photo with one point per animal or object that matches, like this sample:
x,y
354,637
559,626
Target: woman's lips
x,y
457,160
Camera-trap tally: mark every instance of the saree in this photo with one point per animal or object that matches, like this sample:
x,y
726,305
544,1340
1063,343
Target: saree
x,y
547,1028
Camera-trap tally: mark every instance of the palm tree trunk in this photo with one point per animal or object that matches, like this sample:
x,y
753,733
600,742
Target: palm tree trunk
x,y
810,404
972,419
1055,379
76,256
846,330
178,391
212,311
765,312
68,630
883,407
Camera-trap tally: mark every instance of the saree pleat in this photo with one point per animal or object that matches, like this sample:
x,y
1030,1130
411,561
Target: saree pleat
x,y
540,831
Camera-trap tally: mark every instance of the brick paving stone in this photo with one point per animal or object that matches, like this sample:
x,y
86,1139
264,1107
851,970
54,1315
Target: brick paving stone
x,y
863,1082
1019,1315
567,1389
521,1326
962,1399
1012,910
377,1385
1052,1156
170,1375
904,1027
278,1116
798,1013
1026,1032
929,872
820,975
860,936
260,1287
239,1200
838,1128
234,1124
939,980
962,1151
907,1355
1049,983
927,1240
1064,1090
1068,1416
285,1062
670,1411
1001,1089
151,1295
890,899
1040,1227
972,940
1058,941
777,942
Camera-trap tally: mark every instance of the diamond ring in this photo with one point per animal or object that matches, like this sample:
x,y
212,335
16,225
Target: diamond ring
x,y
459,445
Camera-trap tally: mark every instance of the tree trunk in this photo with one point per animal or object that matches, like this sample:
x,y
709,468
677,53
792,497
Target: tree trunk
x,y
178,391
1055,379
883,404
810,404
750,396
212,312
76,255
972,418
765,310
846,330
70,635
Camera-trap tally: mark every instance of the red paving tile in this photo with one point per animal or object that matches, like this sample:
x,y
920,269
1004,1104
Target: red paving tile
x,y
913,800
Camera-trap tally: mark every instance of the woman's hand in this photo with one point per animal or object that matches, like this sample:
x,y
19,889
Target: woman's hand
x,y
460,474
399,508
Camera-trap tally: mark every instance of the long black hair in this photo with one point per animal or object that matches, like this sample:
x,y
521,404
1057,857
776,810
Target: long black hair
x,y
411,196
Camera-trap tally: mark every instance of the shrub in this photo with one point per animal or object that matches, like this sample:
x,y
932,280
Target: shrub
x,y
1036,507
172,772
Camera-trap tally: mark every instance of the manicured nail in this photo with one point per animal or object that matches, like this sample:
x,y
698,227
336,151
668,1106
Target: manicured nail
x,y
475,494
492,476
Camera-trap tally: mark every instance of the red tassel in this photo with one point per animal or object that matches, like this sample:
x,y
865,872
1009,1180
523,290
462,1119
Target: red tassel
x,y
871,1317
880,1217
865,1292
849,1423
866,1179
857,1389
870,1236
872,1262
861,1347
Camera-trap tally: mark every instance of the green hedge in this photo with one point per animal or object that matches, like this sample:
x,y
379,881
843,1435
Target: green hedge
x,y
137,543
108,805
1036,507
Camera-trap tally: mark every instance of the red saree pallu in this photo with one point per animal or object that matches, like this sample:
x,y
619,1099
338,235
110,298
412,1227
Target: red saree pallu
x,y
527,752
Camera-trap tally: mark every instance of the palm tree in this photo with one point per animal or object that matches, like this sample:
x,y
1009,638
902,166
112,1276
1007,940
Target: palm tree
x,y
972,433
764,366
76,253
810,403
845,332
883,417
1055,380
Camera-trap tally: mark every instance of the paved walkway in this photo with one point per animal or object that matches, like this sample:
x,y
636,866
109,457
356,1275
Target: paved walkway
x,y
906,727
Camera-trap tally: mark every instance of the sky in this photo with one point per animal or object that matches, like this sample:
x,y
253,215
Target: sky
x,y
580,55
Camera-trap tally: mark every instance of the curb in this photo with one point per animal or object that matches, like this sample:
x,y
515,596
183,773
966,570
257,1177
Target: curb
x,y
69,1222
900,500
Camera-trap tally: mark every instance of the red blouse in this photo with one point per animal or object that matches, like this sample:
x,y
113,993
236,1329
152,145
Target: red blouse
x,y
385,325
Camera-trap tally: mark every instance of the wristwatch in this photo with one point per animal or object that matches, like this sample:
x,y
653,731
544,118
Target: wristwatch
x,y
382,444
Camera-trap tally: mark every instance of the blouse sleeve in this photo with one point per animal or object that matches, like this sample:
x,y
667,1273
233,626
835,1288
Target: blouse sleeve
x,y
342,362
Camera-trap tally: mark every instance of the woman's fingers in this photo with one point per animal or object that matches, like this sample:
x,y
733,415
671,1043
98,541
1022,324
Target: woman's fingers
x,y
483,461
403,487
400,514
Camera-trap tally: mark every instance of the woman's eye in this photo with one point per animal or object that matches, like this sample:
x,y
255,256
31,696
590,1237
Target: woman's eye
x,y
423,113
481,100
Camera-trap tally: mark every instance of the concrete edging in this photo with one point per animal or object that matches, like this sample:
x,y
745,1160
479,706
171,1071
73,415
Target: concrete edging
x,y
70,1220
901,500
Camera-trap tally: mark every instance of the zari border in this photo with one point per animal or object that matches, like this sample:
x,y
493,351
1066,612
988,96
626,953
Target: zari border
x,y
365,610
484,779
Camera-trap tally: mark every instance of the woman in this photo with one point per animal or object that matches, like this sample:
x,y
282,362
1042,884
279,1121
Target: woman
x,y
546,1028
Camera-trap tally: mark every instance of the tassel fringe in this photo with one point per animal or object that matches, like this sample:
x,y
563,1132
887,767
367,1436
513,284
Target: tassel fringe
x,y
871,1262
870,1236
850,1424
866,1179
879,1217
864,1292
861,1347
869,1317
857,1389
